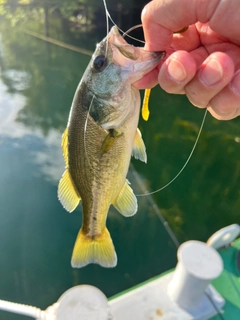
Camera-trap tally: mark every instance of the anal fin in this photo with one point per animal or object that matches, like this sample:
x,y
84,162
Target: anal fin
x,y
126,202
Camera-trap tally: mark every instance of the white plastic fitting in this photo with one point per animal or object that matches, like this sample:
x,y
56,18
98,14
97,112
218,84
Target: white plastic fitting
x,y
198,264
83,302
224,236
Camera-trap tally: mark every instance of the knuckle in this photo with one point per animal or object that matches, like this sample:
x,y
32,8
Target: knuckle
x,y
197,99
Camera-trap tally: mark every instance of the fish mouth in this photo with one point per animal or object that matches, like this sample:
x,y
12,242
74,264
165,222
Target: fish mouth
x,y
159,54
135,62
128,50
118,42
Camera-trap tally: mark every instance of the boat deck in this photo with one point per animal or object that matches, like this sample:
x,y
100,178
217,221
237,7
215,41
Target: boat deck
x,y
228,283
149,300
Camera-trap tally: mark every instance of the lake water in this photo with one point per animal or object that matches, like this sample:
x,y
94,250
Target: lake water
x,y
37,84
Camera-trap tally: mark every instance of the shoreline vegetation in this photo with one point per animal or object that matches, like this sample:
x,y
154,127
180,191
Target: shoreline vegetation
x,y
82,16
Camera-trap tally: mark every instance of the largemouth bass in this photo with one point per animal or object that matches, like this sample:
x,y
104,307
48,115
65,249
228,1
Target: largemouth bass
x,y
100,137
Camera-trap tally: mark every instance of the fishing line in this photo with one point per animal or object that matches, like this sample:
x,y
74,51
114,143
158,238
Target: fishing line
x,y
85,131
108,16
130,30
107,23
164,222
185,164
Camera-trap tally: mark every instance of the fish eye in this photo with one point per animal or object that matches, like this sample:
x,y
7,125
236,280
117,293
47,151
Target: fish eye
x,y
100,62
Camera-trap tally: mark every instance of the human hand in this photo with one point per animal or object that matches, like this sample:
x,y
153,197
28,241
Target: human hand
x,y
204,61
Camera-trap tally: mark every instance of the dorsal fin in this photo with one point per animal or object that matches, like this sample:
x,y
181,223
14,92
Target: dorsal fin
x,y
65,146
139,149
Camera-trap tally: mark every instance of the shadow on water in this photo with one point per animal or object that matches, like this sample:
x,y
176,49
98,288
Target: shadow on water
x,y
37,84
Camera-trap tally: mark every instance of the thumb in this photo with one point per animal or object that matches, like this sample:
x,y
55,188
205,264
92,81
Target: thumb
x,y
160,18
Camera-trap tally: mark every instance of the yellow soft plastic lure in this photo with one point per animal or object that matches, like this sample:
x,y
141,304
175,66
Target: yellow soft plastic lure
x,y
145,109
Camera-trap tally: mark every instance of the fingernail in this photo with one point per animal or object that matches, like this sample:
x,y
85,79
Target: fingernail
x,y
176,70
212,73
235,83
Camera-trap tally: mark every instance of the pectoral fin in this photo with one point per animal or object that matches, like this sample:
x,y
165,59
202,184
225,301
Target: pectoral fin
x,y
126,202
109,140
139,149
67,193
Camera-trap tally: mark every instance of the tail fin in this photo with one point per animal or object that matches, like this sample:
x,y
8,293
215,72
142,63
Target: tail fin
x,y
99,250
